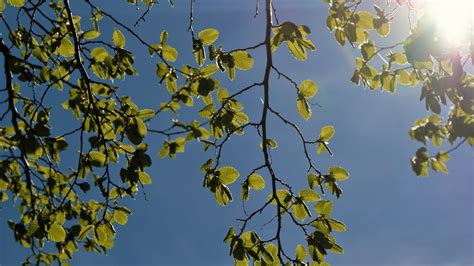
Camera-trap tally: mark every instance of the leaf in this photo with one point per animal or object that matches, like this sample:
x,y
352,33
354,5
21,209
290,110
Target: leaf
x,y
327,132
2,5
336,225
144,178
16,3
296,50
120,217
91,34
323,207
97,159
228,175
382,26
85,231
256,182
312,180
208,36
66,48
303,108
308,89
56,233
230,235
242,60
338,173
340,37
365,20
223,195
99,54
118,39
368,50
299,210
309,195
300,253
169,53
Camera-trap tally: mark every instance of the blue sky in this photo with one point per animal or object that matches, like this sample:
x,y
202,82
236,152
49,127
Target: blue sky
x,y
393,217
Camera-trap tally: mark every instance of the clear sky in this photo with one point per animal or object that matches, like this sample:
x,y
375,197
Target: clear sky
x,y
393,217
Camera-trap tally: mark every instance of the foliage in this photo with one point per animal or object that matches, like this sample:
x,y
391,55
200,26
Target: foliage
x,y
423,57
63,207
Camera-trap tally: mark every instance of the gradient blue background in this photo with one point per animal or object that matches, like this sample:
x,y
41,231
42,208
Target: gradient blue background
x,y
393,217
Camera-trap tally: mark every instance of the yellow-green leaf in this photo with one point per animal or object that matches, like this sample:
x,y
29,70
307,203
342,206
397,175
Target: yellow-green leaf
x,y
256,182
300,253
99,54
323,207
66,48
309,195
169,53
208,36
2,5
299,211
118,39
56,233
303,108
327,132
97,159
120,217
16,3
91,34
144,178
338,173
365,20
242,60
228,174
308,88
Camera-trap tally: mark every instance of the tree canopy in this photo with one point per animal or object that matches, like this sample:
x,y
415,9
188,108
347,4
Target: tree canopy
x,y
56,50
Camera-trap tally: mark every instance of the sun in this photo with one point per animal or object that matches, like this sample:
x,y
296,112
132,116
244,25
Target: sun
x,y
454,18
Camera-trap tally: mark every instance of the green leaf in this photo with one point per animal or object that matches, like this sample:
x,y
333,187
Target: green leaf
x,y
368,50
382,26
56,233
300,211
300,253
312,180
120,217
256,182
85,231
223,195
242,60
338,173
323,207
365,20
208,36
327,132
16,3
309,195
2,5
296,50
228,175
66,48
283,196
99,54
230,235
308,89
118,39
144,178
97,159
336,225
303,108
169,53
91,34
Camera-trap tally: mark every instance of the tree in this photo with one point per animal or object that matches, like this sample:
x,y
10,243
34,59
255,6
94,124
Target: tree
x,y
66,207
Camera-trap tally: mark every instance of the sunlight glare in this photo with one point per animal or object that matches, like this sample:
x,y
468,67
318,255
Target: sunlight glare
x,y
454,18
